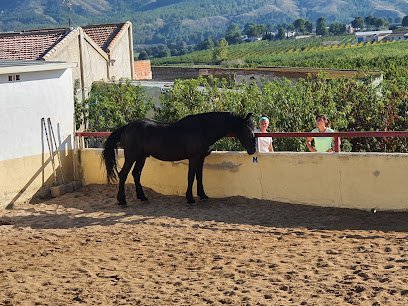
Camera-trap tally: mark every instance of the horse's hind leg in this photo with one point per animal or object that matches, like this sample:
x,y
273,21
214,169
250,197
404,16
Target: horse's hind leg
x,y
192,168
199,176
122,179
137,172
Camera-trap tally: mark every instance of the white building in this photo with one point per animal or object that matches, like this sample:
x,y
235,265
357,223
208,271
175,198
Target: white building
x,y
371,36
397,36
100,52
30,91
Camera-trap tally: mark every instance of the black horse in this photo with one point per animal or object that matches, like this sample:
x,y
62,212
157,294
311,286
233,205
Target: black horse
x,y
189,138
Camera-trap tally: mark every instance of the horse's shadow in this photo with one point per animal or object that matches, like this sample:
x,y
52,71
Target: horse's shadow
x,y
96,205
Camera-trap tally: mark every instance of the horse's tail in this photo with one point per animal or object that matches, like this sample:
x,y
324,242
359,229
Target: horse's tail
x,y
109,155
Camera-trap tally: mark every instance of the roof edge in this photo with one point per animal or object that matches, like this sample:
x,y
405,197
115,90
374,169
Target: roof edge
x,y
94,45
31,67
121,32
59,45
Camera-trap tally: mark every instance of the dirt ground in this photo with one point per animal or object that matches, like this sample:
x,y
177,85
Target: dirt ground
x,y
82,248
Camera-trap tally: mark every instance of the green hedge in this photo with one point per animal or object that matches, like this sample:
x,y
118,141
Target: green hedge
x,y
352,105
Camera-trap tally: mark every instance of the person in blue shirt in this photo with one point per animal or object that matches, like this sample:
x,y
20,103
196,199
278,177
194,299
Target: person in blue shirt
x,y
321,144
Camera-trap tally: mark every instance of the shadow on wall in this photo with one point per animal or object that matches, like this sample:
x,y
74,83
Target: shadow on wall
x,y
42,173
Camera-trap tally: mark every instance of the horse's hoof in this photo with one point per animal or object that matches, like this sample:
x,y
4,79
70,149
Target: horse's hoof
x,y
204,197
190,201
122,204
144,199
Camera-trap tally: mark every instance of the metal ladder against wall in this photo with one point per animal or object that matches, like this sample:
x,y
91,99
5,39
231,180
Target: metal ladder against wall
x,y
50,136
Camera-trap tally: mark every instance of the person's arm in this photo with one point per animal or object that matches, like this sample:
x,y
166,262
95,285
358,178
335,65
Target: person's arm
x,y
270,147
309,144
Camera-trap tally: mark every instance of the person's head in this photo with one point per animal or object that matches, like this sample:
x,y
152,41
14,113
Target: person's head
x,y
263,123
322,121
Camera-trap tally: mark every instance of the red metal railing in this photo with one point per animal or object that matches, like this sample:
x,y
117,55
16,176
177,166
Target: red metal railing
x,y
335,135
92,134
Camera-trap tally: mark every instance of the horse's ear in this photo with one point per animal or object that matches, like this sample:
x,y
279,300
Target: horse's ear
x,y
248,116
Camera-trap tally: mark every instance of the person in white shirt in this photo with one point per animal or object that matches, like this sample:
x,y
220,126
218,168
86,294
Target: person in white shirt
x,y
264,144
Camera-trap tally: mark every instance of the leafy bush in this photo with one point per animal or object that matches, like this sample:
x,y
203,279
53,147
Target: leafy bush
x,y
111,105
352,105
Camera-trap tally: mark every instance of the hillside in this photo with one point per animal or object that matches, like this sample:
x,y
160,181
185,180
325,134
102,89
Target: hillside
x,y
164,21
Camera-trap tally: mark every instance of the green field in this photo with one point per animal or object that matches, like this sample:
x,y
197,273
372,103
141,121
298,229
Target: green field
x,y
334,52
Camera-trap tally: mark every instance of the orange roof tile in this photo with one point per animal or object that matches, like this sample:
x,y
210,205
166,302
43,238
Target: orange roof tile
x,y
29,45
34,44
103,34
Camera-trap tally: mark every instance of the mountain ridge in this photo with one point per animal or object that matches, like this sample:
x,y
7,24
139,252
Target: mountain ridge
x,y
164,21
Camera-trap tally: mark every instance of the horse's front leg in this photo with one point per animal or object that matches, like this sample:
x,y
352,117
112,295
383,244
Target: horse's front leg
x,y
199,176
121,197
137,172
192,168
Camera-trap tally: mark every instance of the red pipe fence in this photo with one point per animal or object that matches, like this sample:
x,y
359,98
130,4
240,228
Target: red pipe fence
x,y
335,135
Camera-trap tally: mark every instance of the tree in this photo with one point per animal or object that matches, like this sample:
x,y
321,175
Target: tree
x,y
111,105
299,25
206,44
247,28
233,34
369,20
404,21
321,27
380,22
357,23
221,52
163,51
281,33
143,55
337,28
254,30
308,26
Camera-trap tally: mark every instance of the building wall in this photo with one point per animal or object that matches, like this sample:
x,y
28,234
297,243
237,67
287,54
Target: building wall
x,y
24,155
123,61
95,66
346,180
71,54
143,70
94,61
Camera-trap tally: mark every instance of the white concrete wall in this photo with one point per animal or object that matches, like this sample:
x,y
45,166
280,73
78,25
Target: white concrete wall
x,y
25,162
25,102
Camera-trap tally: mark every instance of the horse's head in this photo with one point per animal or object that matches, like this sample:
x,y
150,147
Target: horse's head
x,y
246,135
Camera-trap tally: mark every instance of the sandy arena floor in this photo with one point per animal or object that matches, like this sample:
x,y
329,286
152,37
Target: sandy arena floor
x,y
82,248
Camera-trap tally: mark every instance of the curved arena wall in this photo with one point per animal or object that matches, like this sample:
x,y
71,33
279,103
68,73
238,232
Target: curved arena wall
x,y
346,180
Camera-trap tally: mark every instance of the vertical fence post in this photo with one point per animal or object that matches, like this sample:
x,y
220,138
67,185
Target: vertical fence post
x,y
337,144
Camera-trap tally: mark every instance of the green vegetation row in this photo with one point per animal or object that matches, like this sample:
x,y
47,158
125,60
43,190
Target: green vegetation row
x,y
342,53
352,105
